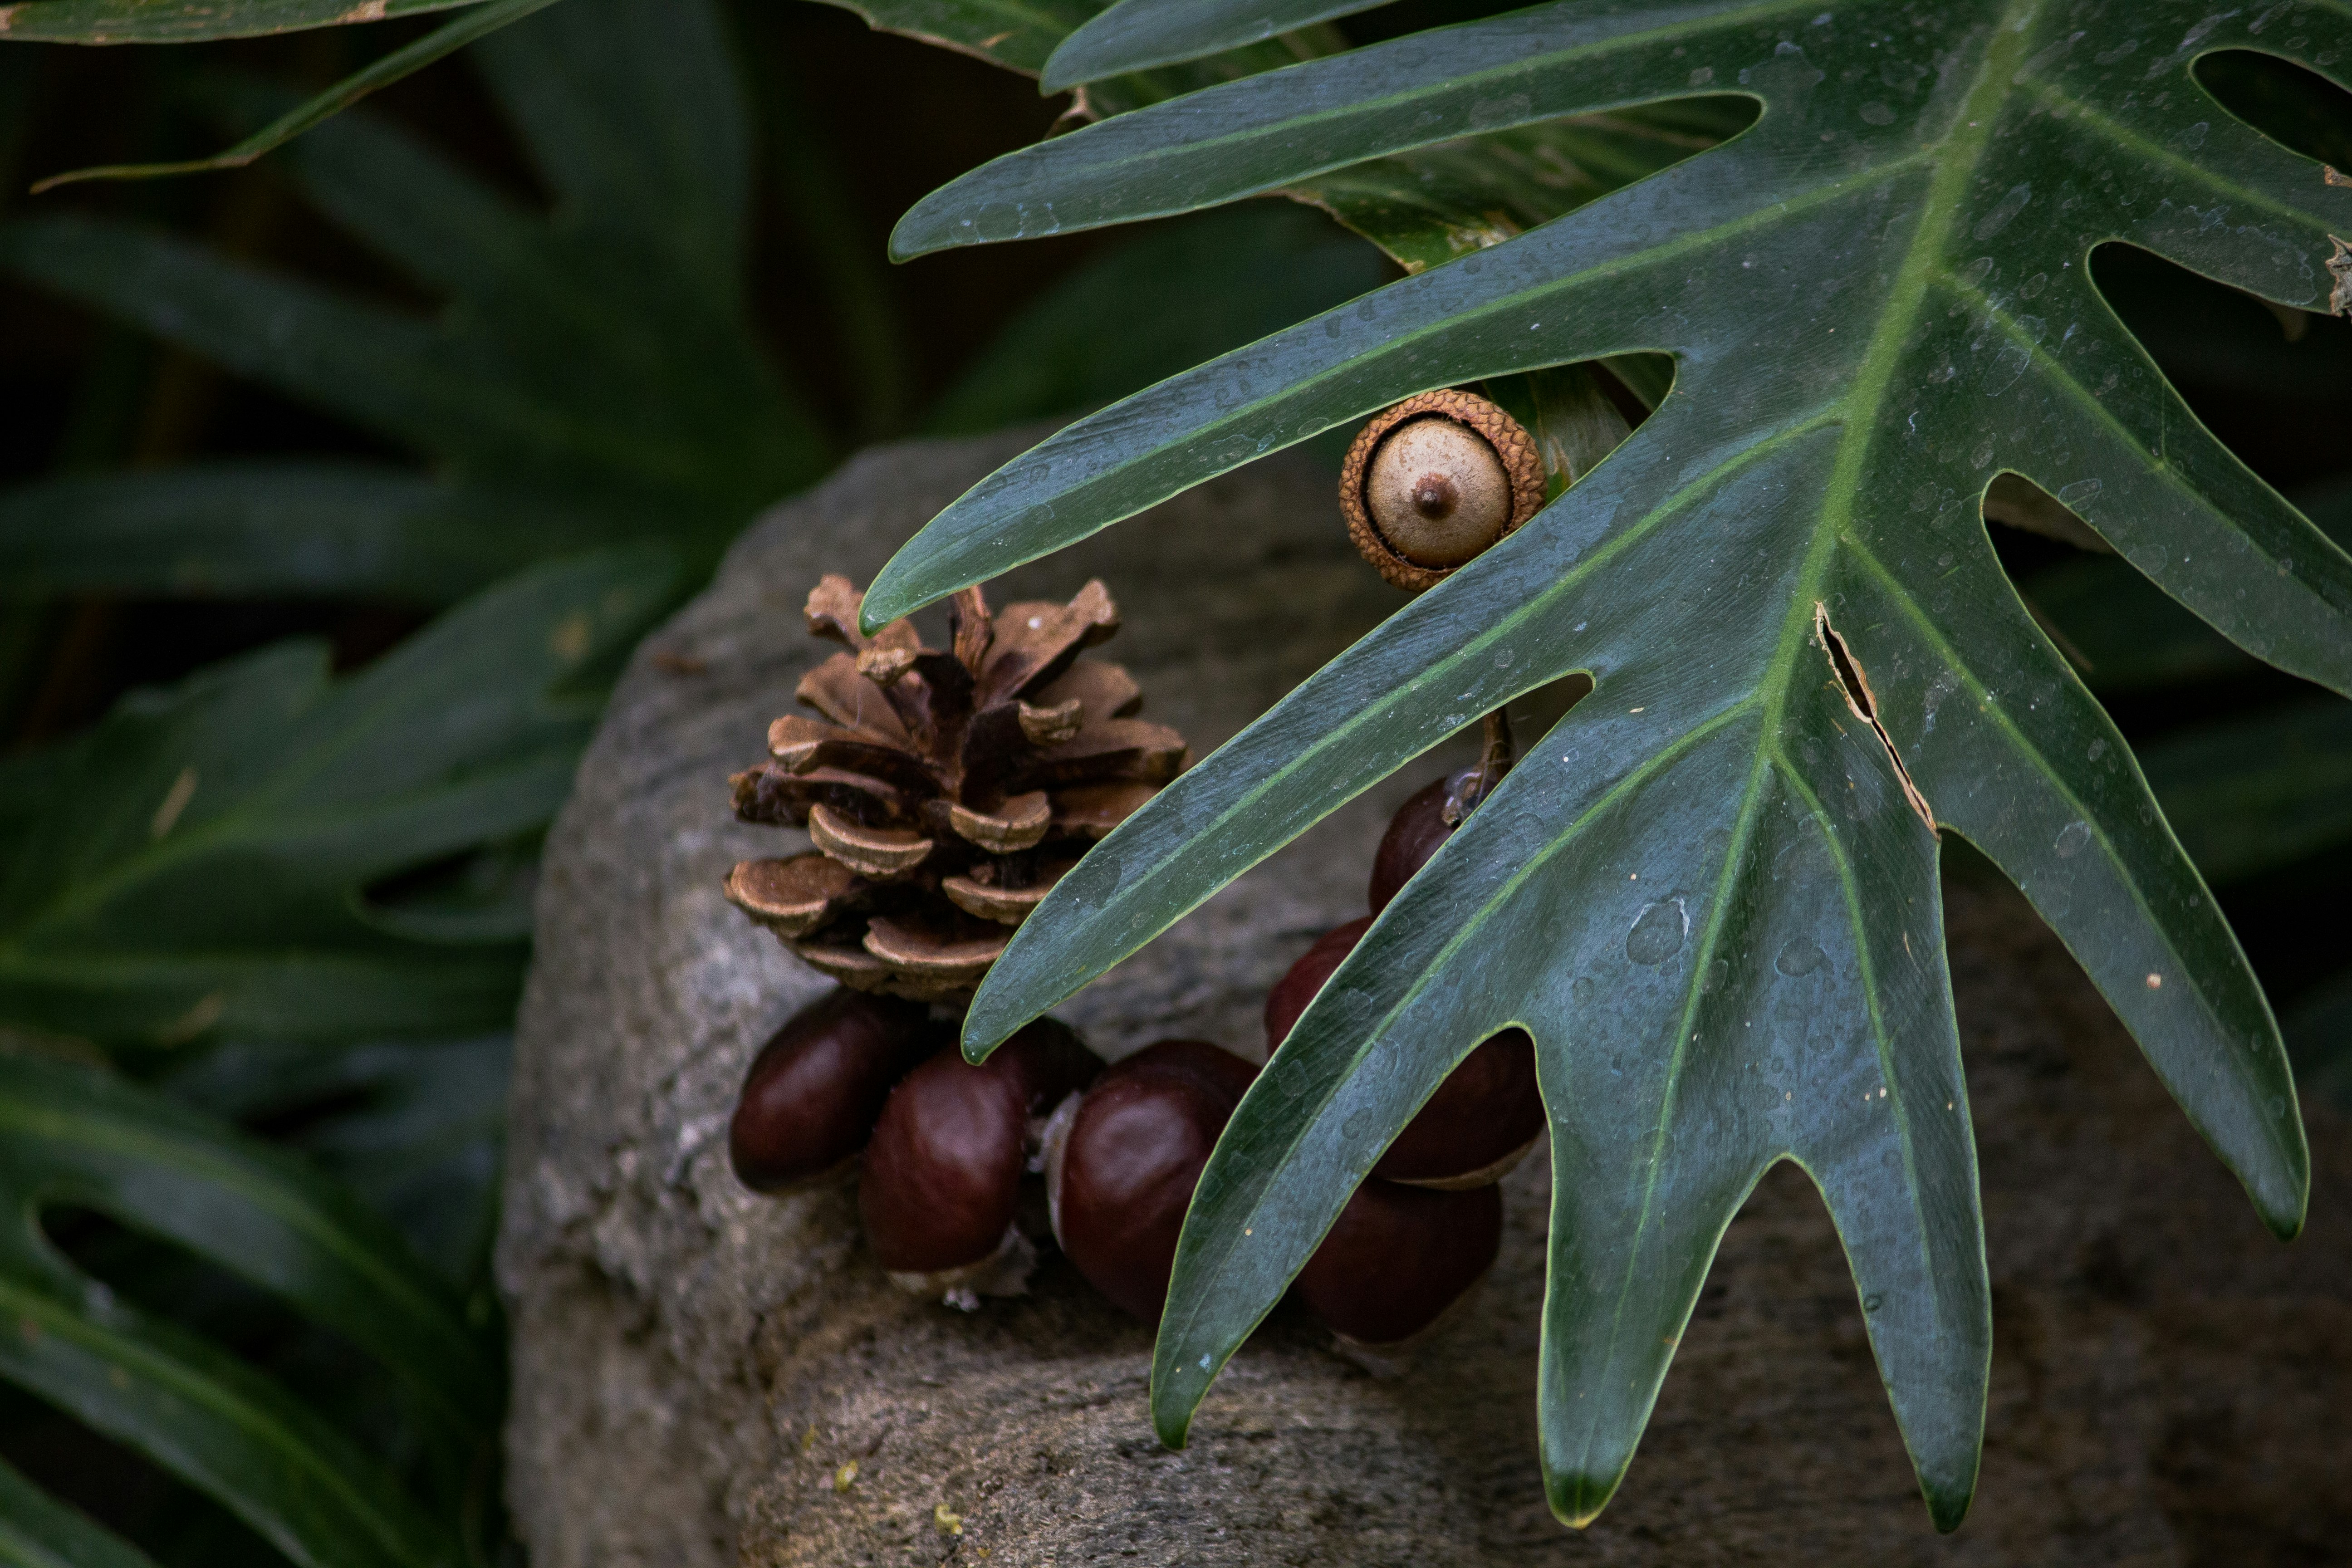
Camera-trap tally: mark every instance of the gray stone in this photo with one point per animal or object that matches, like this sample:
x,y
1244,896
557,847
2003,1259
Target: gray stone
x,y
694,1368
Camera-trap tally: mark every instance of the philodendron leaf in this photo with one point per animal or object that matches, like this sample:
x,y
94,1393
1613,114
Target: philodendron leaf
x,y
204,856
402,62
177,22
1215,282
1710,893
1019,35
1428,205
76,1137
1137,35
2121,632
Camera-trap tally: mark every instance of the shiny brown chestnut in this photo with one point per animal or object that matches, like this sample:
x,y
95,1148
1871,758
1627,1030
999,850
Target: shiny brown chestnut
x,y
942,1175
1481,1121
1397,1259
1120,1170
813,1094
1296,988
1414,834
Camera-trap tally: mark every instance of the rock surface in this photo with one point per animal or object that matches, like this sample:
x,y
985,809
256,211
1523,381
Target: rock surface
x,y
704,1377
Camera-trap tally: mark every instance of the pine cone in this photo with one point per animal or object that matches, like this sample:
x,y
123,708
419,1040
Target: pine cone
x,y
949,790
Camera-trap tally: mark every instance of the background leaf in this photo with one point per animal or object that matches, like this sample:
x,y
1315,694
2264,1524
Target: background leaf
x,y
77,1136
2261,793
38,1531
402,62
592,381
1020,35
1135,35
1215,282
205,857
176,21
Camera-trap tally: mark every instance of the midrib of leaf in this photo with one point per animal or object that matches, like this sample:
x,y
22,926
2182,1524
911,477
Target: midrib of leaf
x,y
1960,156
1913,282
299,1455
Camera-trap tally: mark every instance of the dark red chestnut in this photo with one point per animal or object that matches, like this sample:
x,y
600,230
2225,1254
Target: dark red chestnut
x,y
942,1173
1296,988
1481,1118
1397,1258
813,1091
1414,834
1121,1173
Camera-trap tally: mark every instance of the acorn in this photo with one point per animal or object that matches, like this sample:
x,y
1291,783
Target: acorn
x,y
942,1173
1395,1262
1434,481
811,1099
1122,1162
1483,1119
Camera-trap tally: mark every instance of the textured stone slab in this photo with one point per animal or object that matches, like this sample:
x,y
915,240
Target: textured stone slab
x,y
695,1367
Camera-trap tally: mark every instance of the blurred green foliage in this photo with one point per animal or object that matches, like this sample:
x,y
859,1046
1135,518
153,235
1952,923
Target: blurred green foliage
x,y
261,932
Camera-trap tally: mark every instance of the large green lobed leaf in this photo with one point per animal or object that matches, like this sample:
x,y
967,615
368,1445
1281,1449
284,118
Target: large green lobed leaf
x,y
1710,893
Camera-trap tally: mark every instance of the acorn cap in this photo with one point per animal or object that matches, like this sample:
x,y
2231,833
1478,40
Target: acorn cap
x,y
1121,1176
942,1175
811,1099
1434,481
1397,1259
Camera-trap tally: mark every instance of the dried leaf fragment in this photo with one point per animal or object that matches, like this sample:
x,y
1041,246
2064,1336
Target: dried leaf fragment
x,y
1856,687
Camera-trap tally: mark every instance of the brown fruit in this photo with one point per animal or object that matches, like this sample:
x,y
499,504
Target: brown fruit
x,y
1437,492
1397,1258
1481,1119
1297,987
1121,1176
942,1175
1413,835
813,1091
